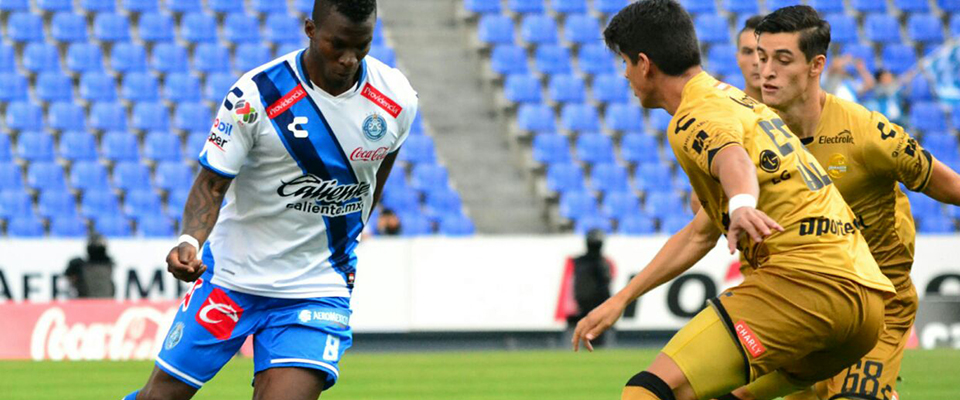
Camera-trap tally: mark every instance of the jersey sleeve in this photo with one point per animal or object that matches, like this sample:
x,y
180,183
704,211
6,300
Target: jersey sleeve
x,y
704,141
406,122
233,132
890,151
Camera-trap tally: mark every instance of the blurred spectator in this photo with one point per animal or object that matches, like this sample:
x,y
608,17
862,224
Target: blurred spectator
x,y
838,81
590,284
388,224
884,97
92,277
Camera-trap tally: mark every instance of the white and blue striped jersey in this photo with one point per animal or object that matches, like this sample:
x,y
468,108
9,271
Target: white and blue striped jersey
x,y
304,167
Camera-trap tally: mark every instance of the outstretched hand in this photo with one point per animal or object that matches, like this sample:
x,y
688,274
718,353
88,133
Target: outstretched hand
x,y
183,263
596,322
752,222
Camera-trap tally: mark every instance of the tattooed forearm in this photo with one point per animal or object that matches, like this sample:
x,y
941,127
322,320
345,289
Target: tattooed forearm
x,y
203,204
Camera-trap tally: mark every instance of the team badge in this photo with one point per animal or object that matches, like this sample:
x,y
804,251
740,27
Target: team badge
x,y
837,167
173,338
374,127
245,113
769,161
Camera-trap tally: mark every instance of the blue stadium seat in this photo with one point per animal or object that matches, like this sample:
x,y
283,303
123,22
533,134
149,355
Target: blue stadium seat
x,y
98,6
495,29
827,7
552,59
843,28
700,6
287,48
950,6
25,226
652,177
538,29
192,116
24,27
54,86
14,5
156,226
402,201
619,204
526,6
120,146
898,58
569,6
162,146
742,7
157,27
674,223
184,6
773,5
581,28
609,6
110,27
169,58
8,59
11,176
173,175
925,28
712,28
68,27
863,52
181,87
66,116
128,57
579,118
659,120
385,54
112,226
140,86
78,146
13,87
536,118
564,177
881,28
869,6
594,148
609,177
443,201
577,204
735,80
176,201
270,6
47,175
566,88
928,116
98,86
96,203
936,225
56,203
87,175
14,202
508,59
24,116
211,57
427,177
662,204
477,6
140,6
955,24
41,57
200,27
416,128
919,89
419,149
912,6
68,227
591,222
150,115
84,57
956,116
596,59
415,224
241,28
6,153
611,88
141,202
456,224
195,142
722,59
250,56
35,146
639,148
550,148
636,224
941,144
282,28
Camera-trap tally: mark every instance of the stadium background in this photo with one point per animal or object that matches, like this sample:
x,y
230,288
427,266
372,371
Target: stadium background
x,y
528,137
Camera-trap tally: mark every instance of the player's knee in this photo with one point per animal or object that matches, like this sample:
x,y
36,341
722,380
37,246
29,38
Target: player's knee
x,y
647,386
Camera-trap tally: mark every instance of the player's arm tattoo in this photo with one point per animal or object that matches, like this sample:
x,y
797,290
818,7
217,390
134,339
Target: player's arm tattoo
x,y
203,204
382,174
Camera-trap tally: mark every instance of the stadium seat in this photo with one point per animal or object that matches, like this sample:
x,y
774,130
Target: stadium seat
x,y
843,28
552,59
673,223
898,58
722,59
14,5
78,145
416,128
611,88
162,146
110,27
538,29
86,175
56,203
508,59
550,148
287,48
98,6
14,202
566,89
25,226
24,27
700,6
925,28
68,27
928,116
712,28
95,203
157,27
211,57
942,144
936,225
577,204
773,5
150,115
594,148
636,224
120,146
592,222
863,52
639,148
384,54
41,57
479,6
250,56
609,177
526,6
569,6
956,116
427,177
8,59
662,204
6,153
881,28
919,89
652,177
35,146
495,29
609,6
581,29
192,116
112,225
402,201
741,7
241,28
11,176
414,224
128,57
68,227
595,59
199,27
84,57
169,58
46,175
579,118
184,6
659,120
869,6
172,176
155,226
827,7
140,86
66,116
176,201
24,116
536,118
442,202
181,87
140,6
282,28
54,86
270,6
13,87
955,24
98,86
619,204
141,202
912,6
419,149
564,177
456,224
195,143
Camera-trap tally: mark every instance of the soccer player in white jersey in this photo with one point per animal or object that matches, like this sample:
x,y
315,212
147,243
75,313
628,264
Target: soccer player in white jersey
x,y
298,156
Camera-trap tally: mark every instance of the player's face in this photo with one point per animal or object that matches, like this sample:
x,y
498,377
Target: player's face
x,y
635,74
786,74
747,58
338,45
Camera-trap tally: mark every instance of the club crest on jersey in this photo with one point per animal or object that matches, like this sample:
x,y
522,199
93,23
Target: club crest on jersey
x,y
374,127
173,338
837,167
245,113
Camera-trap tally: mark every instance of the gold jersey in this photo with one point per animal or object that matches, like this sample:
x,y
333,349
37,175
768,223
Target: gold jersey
x,y
865,155
795,191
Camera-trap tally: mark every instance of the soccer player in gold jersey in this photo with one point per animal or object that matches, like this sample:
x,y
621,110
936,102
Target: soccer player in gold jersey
x,y
814,304
747,56
866,156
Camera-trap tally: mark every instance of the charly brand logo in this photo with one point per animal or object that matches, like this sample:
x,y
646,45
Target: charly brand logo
x,y
325,197
374,127
844,137
297,128
837,166
362,154
173,338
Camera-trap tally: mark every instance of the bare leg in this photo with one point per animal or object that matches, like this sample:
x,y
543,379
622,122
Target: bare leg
x,y
162,386
288,384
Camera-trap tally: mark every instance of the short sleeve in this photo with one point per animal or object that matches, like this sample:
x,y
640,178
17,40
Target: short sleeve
x,y
406,122
890,151
233,133
703,141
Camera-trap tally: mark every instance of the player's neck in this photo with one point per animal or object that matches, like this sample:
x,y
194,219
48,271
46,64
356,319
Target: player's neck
x,y
316,76
803,115
671,89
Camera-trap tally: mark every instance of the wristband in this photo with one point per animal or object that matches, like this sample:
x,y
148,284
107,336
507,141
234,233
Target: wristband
x,y
189,240
741,200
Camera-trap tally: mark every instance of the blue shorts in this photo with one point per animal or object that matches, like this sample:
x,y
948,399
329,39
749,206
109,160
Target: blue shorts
x,y
213,322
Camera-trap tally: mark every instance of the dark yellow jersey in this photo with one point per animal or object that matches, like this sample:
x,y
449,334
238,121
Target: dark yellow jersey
x,y
795,191
866,156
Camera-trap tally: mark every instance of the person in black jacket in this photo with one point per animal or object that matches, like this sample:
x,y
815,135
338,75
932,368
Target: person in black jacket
x,y
591,278
92,277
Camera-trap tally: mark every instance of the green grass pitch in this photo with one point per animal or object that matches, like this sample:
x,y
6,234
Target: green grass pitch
x,y
516,375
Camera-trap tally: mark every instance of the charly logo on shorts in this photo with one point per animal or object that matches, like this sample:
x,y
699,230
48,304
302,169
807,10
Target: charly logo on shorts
x,y
173,338
374,127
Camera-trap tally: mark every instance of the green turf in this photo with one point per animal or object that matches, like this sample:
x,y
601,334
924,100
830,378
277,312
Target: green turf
x,y
554,375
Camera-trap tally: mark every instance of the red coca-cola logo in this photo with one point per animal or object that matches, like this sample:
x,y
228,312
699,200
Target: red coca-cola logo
x,y
361,154
219,314
135,334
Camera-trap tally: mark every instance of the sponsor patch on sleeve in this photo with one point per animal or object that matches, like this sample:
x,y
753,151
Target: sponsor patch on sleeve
x,y
750,341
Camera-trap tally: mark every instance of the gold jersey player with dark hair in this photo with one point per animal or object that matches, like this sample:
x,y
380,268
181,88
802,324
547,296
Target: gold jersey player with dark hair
x,y
814,305
866,156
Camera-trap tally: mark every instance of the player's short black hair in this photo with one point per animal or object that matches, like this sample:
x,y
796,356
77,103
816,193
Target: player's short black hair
x,y
354,10
751,23
661,29
814,31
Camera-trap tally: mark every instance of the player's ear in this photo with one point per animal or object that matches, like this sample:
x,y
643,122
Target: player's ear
x,y
645,65
818,64
309,27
